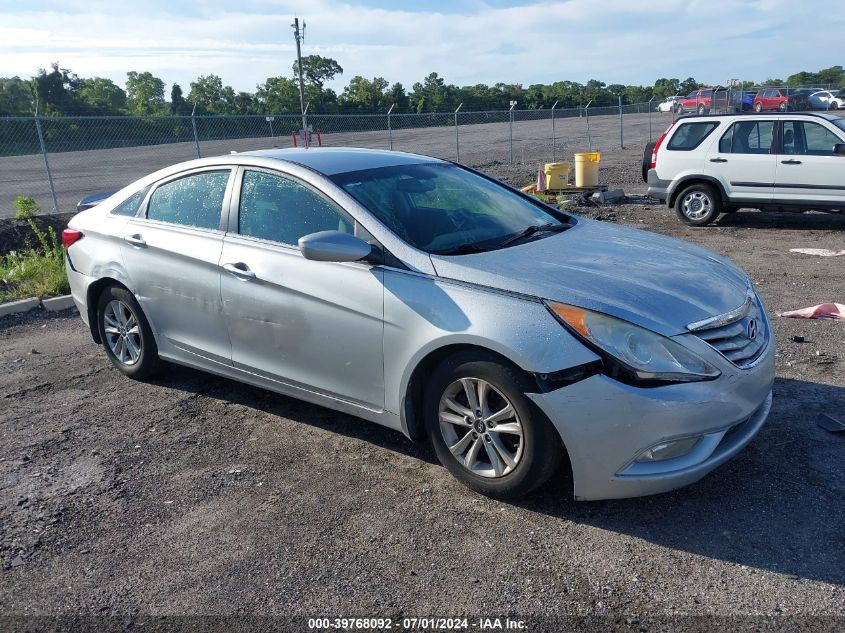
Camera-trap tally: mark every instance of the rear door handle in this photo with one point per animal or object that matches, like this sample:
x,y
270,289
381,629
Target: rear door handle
x,y
791,162
239,270
135,240
718,160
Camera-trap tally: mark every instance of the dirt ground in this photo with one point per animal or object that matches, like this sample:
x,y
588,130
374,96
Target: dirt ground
x,y
192,495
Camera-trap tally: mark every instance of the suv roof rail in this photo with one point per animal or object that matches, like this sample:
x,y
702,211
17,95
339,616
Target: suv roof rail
x,y
818,115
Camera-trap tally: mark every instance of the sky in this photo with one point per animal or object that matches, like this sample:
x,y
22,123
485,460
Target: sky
x,y
464,41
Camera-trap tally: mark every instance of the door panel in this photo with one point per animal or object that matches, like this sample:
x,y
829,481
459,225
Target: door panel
x,y
176,276
807,169
741,159
172,255
315,325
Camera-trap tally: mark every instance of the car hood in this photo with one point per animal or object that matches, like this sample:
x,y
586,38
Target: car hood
x,y
651,280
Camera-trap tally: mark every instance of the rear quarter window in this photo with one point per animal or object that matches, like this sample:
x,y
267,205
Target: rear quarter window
x,y
688,136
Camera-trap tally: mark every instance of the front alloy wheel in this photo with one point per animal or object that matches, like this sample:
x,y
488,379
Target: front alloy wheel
x,y
485,429
480,427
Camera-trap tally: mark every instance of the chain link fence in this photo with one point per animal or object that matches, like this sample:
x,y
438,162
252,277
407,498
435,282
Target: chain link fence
x,y
59,160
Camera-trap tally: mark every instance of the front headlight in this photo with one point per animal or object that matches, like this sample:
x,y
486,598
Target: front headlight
x,y
633,354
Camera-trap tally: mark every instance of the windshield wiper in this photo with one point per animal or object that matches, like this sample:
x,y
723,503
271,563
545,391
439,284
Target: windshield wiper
x,y
462,249
533,230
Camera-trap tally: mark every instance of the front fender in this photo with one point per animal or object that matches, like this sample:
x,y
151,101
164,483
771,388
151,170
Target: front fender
x,y
423,314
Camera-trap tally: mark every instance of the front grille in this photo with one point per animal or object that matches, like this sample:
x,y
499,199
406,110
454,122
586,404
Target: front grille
x,y
733,339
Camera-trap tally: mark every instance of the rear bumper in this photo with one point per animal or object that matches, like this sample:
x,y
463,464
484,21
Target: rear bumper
x,y
657,188
79,284
605,425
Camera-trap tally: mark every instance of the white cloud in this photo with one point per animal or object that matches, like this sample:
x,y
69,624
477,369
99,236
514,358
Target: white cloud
x,y
617,41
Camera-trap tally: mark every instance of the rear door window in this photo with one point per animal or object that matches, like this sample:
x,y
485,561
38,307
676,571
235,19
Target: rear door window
x,y
690,135
748,137
194,200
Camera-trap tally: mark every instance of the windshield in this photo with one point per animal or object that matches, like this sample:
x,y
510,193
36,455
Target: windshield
x,y
444,209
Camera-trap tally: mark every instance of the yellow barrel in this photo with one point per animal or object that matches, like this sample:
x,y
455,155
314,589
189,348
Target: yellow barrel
x,y
587,169
557,175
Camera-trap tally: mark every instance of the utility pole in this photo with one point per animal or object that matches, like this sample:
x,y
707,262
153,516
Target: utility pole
x,y
299,36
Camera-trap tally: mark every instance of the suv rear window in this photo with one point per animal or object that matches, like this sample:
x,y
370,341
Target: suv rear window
x,y
690,135
748,137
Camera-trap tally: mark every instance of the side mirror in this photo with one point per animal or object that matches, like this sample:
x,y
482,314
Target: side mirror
x,y
839,149
333,246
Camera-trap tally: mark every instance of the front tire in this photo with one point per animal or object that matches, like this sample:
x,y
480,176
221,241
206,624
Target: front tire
x,y
485,431
126,334
698,205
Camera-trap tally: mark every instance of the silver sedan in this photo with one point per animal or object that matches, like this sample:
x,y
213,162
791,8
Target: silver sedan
x,y
523,342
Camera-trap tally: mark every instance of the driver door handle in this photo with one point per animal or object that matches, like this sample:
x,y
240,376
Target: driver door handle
x,y
135,240
239,270
718,160
791,162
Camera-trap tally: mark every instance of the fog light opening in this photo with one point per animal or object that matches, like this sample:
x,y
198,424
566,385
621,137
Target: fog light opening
x,y
668,450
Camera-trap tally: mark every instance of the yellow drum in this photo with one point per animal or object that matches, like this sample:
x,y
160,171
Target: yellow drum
x,y
587,169
557,175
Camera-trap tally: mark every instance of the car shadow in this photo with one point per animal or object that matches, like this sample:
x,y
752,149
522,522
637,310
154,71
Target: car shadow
x,y
777,506
810,221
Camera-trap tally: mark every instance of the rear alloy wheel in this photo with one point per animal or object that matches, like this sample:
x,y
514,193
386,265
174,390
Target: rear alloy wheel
x,y
484,429
782,107
697,205
126,334
758,107
702,109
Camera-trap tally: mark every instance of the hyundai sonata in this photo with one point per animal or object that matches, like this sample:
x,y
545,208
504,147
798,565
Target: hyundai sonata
x,y
422,295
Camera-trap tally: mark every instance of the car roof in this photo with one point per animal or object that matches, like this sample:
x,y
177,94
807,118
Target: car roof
x,y
330,161
818,115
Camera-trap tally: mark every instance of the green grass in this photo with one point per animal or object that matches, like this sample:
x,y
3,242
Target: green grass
x,y
34,272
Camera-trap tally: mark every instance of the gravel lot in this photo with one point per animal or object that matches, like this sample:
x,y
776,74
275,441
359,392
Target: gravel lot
x,y
193,495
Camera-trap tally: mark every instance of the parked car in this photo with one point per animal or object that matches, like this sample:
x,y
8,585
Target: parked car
x,y
432,299
697,101
669,104
729,100
780,99
826,100
703,166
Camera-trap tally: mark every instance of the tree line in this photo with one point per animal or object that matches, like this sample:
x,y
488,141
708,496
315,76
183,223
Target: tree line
x,y
60,91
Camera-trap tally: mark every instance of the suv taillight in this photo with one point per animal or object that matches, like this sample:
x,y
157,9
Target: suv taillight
x,y
657,146
70,236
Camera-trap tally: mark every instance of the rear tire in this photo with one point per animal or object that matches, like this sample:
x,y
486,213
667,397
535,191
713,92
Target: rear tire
x,y
649,148
505,464
702,109
758,107
126,334
698,205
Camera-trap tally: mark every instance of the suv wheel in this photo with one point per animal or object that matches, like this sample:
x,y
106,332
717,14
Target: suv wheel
x,y
702,109
782,107
484,429
758,107
698,205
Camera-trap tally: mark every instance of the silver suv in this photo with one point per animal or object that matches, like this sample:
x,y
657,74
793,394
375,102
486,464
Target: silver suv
x,y
707,165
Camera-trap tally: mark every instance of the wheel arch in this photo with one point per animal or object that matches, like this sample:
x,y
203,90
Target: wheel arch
x,y
94,291
685,182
